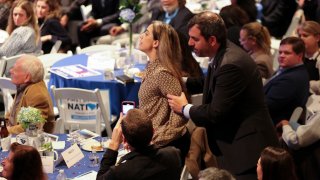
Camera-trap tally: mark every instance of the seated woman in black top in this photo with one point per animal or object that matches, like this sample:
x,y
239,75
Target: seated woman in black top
x,y
48,13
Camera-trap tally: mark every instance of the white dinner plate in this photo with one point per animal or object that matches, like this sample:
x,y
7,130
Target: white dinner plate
x,y
87,145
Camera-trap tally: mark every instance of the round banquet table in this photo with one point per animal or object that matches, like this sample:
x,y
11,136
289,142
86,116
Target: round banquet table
x,y
118,91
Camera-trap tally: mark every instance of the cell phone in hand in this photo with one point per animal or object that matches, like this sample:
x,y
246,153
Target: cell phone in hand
x,y
126,106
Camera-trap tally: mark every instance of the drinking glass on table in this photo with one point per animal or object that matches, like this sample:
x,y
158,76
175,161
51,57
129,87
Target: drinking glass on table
x,y
74,133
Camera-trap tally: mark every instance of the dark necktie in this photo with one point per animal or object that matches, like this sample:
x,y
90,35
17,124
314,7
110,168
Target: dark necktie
x,y
208,81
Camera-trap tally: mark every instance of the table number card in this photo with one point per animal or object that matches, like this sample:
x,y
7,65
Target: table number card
x,y
72,155
47,163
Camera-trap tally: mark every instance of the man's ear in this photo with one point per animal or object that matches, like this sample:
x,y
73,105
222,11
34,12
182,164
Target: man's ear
x,y
212,40
28,78
155,43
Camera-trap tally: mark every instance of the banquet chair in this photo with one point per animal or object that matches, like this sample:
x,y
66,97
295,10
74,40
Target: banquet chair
x,y
7,89
95,48
7,63
55,48
83,107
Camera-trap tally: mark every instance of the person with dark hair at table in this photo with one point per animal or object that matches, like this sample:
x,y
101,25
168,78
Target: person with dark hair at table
x,y
190,66
233,110
48,13
289,87
23,163
144,161
234,18
249,6
275,164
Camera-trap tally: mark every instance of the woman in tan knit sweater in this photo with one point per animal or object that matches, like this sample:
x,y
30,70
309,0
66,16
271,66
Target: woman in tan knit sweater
x,y
163,76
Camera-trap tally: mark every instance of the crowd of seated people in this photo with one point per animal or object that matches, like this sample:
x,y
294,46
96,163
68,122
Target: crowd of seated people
x,y
231,81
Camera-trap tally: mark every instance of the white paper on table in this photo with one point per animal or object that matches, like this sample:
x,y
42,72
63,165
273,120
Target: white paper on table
x,y
47,163
88,175
72,155
58,144
74,71
101,61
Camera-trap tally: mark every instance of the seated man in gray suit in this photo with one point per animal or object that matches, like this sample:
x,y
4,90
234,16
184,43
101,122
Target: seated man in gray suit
x,y
289,87
145,161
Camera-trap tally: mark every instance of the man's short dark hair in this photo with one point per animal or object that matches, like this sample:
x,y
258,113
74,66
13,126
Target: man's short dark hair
x,y
210,24
137,129
297,44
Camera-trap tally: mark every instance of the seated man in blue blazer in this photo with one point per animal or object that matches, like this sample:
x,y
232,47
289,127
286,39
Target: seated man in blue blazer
x,y
289,87
144,161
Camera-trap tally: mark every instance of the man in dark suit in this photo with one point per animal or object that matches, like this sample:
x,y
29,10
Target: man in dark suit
x,y
174,13
289,87
233,109
144,161
105,14
277,15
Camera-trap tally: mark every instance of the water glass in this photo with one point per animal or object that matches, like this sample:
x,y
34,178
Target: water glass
x,y
94,159
74,133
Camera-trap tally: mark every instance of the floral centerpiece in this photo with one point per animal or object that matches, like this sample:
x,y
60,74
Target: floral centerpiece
x,y
29,118
130,13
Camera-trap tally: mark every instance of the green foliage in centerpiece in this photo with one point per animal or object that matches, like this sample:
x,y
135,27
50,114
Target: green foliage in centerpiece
x,y
29,115
47,146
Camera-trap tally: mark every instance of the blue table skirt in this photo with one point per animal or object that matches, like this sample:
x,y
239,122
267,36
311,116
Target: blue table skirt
x,y
79,168
118,91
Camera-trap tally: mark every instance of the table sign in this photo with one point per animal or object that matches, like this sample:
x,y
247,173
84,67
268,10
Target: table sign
x,y
72,155
47,163
74,71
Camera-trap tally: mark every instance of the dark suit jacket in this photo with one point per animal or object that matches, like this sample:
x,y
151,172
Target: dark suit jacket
x,y
53,27
277,15
287,91
109,12
234,112
179,23
151,164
